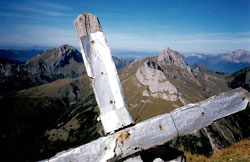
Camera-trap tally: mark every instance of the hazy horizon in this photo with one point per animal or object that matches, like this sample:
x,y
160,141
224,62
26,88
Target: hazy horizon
x,y
118,53
195,26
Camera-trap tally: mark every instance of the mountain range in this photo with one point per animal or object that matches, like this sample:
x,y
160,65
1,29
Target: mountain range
x,y
48,66
229,62
48,104
18,55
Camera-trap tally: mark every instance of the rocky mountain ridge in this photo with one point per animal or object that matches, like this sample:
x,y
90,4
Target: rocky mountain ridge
x,y
166,82
228,62
240,79
18,55
238,56
169,57
53,59
155,76
151,74
61,114
48,66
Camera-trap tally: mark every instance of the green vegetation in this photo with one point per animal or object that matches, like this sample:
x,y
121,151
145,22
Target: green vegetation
x,y
47,119
238,152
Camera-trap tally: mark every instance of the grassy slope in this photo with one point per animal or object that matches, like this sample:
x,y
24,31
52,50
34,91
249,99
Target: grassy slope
x,y
47,119
75,129
238,152
142,107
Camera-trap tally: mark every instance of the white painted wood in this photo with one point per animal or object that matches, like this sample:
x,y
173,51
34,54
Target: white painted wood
x,y
101,69
158,130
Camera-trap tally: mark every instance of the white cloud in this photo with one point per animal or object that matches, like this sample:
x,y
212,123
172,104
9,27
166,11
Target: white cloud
x,y
205,43
36,10
35,35
53,5
8,14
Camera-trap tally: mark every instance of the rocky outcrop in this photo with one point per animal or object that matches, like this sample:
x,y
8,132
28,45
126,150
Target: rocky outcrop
x,y
161,74
62,62
8,67
151,75
52,60
240,79
13,76
175,67
58,63
172,58
170,70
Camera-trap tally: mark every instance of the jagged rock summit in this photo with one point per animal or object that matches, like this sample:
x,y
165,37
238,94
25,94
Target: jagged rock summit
x,y
165,82
62,62
53,59
171,57
157,73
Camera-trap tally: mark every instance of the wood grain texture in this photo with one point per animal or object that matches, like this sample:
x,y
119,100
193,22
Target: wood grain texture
x,y
158,130
87,23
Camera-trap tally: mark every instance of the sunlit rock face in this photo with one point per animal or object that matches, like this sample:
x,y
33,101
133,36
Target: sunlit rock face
x,y
151,74
51,60
169,57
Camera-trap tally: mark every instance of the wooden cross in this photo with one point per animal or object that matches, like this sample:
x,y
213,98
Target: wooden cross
x,y
121,142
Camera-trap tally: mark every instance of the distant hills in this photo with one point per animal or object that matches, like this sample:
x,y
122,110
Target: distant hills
x,y
18,55
229,62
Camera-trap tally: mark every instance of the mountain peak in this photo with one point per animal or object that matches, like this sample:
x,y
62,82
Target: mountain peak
x,y
59,55
169,56
241,50
237,56
65,46
54,60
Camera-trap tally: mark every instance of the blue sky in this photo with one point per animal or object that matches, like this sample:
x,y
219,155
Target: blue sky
x,y
204,26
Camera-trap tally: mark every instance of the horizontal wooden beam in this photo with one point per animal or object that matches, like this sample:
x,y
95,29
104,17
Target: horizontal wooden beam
x,y
158,130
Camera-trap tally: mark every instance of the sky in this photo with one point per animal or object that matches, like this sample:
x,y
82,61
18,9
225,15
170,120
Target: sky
x,y
142,26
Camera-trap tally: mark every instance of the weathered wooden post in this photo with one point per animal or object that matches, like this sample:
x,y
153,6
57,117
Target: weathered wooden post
x,y
114,114
102,71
